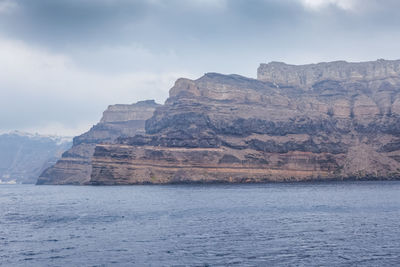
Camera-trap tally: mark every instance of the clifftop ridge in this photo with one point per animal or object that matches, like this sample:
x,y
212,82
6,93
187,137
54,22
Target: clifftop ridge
x,y
305,76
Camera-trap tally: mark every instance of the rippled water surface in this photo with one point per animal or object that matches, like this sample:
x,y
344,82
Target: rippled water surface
x,y
348,223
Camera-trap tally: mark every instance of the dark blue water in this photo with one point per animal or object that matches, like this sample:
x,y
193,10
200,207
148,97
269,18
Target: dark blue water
x,y
340,224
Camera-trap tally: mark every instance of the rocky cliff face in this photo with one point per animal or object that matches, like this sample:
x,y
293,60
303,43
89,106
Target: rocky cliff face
x,y
306,76
334,120
118,120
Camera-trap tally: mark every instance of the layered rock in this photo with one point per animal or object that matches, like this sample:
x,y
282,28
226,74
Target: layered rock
x,y
118,121
334,120
307,75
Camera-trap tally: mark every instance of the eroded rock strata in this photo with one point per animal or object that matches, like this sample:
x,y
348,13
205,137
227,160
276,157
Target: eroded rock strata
x,y
334,120
118,120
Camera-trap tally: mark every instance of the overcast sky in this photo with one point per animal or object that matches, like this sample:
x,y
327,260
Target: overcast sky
x,y
62,62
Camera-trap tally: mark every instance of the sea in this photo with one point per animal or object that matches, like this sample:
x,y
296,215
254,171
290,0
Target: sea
x,y
277,224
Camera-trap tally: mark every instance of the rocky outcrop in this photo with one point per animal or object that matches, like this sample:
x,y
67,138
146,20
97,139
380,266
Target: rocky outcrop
x,y
118,121
122,113
333,120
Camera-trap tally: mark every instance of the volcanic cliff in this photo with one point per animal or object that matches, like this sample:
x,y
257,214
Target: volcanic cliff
x,y
118,120
334,120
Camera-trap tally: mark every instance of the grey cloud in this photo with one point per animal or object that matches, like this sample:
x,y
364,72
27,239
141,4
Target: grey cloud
x,y
153,23
112,37
187,26
70,21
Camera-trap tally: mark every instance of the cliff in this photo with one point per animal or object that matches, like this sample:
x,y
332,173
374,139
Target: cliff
x,y
118,120
333,120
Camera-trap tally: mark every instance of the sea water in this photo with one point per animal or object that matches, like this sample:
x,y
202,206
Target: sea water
x,y
278,224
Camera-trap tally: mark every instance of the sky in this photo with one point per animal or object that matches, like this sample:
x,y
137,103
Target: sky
x,y
62,62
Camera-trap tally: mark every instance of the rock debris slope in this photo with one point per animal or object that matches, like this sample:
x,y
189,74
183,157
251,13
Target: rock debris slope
x,y
334,120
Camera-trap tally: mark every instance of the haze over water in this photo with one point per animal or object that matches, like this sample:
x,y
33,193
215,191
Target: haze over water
x,y
340,224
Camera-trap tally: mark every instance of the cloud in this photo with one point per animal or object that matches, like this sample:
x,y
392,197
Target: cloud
x,y
58,128
48,91
64,61
318,4
7,6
